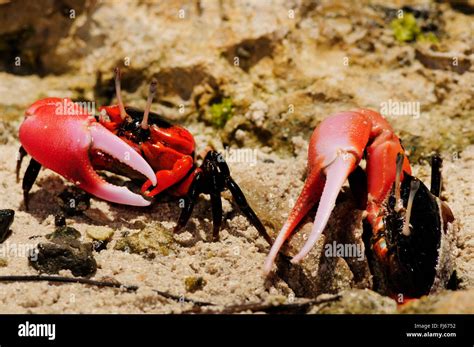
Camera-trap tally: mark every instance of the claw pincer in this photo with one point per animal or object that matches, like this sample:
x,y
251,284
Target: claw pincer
x,y
406,220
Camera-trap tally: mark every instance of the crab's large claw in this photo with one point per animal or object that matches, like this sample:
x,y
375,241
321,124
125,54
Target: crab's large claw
x,y
336,147
60,135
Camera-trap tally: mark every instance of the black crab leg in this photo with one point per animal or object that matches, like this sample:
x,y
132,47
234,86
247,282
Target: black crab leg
x,y
213,179
239,198
189,201
241,201
216,202
21,154
29,179
436,178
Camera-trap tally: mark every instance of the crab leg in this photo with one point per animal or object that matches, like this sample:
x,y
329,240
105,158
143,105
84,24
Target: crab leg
x,y
336,148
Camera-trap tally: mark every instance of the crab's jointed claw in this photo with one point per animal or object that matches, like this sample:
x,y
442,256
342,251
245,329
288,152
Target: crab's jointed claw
x,y
60,135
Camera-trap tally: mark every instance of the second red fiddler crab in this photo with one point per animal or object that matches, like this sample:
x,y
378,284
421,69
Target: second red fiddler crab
x,y
408,229
408,226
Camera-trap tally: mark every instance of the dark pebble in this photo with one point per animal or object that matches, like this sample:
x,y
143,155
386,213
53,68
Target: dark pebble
x,y
99,245
64,254
6,220
60,220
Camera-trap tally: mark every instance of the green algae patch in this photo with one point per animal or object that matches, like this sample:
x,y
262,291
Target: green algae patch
x,y
219,113
407,29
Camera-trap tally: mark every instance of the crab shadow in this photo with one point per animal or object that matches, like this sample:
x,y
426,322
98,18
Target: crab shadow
x,y
45,202
342,228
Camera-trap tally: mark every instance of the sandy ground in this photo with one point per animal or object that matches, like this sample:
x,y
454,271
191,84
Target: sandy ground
x,y
231,268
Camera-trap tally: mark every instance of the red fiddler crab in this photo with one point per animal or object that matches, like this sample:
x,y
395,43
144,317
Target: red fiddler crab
x,y
408,226
143,145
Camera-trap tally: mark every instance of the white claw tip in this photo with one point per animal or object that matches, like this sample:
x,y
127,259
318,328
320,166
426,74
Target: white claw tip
x,y
295,260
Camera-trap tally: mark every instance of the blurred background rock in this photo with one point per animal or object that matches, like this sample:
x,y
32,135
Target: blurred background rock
x,y
280,66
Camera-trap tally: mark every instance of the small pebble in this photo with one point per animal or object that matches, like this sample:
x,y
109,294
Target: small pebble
x,y
100,233
60,220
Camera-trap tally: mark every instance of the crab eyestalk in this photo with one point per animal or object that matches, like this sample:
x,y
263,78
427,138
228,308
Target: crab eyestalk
x,y
414,185
118,92
436,178
151,95
398,200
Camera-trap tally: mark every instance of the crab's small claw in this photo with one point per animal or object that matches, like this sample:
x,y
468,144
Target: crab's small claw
x,y
60,135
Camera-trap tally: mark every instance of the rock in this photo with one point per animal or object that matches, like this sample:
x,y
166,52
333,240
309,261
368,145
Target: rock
x,y
100,233
32,30
447,302
193,284
358,301
101,236
154,239
443,60
6,220
64,255
287,63
64,252
64,233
